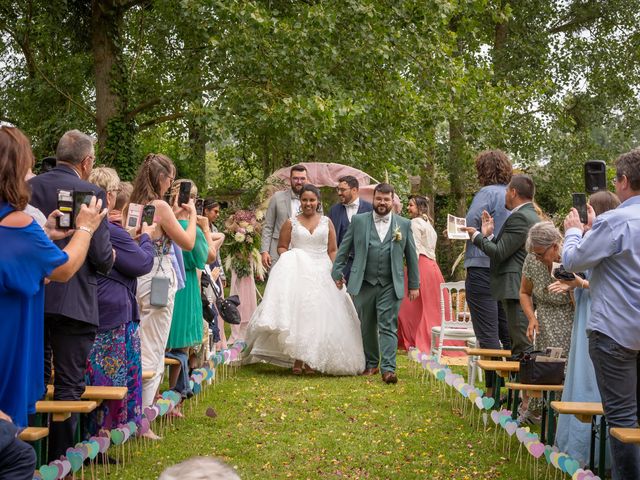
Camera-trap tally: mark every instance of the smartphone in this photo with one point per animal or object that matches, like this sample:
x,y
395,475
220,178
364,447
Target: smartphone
x,y
65,205
133,217
580,204
184,193
200,206
79,199
148,213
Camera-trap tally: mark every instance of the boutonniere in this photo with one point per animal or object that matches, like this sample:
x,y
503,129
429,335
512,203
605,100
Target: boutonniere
x,y
397,235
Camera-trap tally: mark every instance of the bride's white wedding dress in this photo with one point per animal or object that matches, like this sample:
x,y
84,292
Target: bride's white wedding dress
x,y
303,315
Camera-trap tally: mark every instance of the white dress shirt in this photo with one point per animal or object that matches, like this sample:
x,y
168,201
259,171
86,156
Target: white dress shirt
x,y
382,223
352,208
425,237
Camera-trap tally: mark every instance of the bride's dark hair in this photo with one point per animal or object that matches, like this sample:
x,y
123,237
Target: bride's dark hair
x,y
316,191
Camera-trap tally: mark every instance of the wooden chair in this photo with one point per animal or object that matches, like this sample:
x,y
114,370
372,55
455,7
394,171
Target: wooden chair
x,y
587,412
455,324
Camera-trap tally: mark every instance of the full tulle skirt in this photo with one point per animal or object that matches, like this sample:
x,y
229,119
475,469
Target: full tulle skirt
x,y
303,316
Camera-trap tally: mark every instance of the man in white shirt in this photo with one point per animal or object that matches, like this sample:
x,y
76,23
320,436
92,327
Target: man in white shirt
x,y
283,205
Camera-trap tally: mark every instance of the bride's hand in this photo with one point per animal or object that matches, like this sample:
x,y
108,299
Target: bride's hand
x,y
339,283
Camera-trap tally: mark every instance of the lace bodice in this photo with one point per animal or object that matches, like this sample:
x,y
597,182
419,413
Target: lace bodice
x,y
313,243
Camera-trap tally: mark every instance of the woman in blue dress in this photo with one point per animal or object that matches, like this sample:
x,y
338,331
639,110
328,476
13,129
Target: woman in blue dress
x,y
27,258
580,385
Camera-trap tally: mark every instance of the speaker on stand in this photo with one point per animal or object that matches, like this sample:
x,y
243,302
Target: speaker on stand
x,y
595,176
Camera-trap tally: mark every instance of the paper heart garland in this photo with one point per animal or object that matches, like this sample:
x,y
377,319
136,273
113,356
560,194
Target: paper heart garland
x,y
536,449
49,472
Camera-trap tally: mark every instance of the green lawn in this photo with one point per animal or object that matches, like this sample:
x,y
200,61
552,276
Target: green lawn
x,y
271,424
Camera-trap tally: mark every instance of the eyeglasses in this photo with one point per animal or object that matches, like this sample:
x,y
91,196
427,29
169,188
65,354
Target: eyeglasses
x,y
342,190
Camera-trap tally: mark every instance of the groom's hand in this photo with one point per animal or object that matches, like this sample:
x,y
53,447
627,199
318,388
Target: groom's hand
x,y
413,294
340,283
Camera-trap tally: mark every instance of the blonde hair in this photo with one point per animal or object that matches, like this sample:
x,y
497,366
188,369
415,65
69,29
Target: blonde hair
x,y
106,178
175,189
123,195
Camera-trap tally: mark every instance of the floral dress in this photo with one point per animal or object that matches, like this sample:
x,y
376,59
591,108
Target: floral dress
x,y
553,310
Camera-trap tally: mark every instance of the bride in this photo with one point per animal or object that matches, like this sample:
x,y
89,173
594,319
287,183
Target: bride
x,y
303,319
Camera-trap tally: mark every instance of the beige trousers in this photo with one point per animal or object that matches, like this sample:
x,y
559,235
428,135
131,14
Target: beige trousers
x,y
155,324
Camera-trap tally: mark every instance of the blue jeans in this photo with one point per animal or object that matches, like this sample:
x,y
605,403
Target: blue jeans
x,y
617,370
182,383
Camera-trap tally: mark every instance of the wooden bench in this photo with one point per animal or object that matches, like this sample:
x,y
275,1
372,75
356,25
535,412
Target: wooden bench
x,y
503,369
626,435
547,394
60,410
171,361
33,434
98,393
587,412
148,374
487,353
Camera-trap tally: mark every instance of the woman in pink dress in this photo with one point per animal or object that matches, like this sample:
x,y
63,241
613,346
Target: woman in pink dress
x,y
416,318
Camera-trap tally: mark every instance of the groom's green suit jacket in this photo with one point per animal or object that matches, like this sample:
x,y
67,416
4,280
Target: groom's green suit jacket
x,y
357,238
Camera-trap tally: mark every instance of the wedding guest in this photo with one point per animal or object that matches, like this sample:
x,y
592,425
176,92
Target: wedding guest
x,y
27,257
186,323
71,309
155,176
122,200
507,253
17,458
282,206
549,312
114,360
215,269
574,436
341,213
612,252
489,322
200,468
416,318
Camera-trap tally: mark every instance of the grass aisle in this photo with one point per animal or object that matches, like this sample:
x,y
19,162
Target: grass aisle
x,y
271,424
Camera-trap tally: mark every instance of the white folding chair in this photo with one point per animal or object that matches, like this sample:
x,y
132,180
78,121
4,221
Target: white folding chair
x,y
458,325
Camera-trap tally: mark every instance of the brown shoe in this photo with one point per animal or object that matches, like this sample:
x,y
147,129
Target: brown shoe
x,y
370,371
389,377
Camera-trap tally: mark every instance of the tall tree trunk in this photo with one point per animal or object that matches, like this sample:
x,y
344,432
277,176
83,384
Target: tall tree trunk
x,y
457,166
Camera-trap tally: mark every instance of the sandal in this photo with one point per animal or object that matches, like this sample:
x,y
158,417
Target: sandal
x,y
308,370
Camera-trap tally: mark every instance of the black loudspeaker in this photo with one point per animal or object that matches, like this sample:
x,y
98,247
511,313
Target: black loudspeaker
x,y
595,176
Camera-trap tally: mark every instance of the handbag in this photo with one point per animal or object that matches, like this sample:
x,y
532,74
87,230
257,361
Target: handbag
x,y
228,308
160,284
536,372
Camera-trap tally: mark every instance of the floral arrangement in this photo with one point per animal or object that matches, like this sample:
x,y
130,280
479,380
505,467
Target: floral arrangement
x,y
242,230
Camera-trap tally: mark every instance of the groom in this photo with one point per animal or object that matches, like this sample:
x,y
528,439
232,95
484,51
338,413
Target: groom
x,y
379,240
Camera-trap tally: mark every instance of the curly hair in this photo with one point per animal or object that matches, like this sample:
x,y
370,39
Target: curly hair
x,y
493,168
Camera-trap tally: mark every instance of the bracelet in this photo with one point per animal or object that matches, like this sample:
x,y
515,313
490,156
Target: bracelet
x,y
82,228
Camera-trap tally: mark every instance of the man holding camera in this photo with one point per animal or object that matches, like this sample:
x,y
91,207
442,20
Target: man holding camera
x,y
611,250
71,309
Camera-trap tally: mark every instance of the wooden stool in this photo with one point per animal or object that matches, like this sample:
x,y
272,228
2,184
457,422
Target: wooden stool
x,y
503,370
626,435
547,394
587,412
35,435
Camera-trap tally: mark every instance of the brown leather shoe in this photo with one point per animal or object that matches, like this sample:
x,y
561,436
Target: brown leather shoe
x,y
389,377
370,371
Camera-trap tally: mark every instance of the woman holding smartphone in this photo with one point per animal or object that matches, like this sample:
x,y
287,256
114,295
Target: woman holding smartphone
x,y
154,178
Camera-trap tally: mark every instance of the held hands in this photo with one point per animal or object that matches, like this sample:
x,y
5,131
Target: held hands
x,y
413,294
340,283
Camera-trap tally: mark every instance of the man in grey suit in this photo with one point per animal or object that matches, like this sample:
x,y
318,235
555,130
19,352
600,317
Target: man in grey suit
x,y
282,206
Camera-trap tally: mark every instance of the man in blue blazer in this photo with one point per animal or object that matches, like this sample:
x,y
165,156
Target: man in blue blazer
x,y
341,213
71,309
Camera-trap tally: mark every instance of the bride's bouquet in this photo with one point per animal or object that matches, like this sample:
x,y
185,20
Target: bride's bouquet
x,y
242,230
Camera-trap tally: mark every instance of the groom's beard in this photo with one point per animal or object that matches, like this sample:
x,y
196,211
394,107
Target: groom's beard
x,y
382,209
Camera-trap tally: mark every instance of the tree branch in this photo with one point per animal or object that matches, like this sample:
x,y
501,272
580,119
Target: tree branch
x,y
64,94
159,120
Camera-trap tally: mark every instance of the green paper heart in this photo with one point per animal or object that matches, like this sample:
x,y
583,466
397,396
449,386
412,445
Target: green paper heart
x,y
94,448
488,402
117,436
49,472
75,459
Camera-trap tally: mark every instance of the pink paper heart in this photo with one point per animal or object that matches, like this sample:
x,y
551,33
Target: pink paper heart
x,y
150,413
536,449
511,428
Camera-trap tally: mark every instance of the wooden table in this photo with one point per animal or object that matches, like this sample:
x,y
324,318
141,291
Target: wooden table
x,y
587,412
503,369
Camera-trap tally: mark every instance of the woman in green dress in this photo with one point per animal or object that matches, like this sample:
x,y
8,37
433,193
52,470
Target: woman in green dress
x,y
186,324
